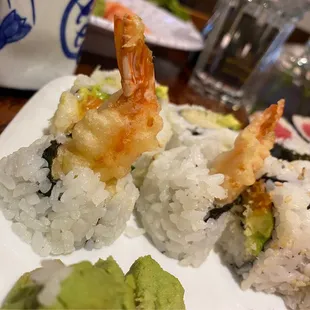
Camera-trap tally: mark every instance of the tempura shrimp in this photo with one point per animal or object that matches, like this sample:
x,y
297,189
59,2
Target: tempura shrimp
x,y
251,147
109,139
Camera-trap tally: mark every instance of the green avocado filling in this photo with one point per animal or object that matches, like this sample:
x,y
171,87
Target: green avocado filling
x,y
258,220
103,286
258,217
209,119
259,227
162,92
95,91
111,81
228,121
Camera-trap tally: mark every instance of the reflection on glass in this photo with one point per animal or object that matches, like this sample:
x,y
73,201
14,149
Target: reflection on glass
x,y
243,36
289,78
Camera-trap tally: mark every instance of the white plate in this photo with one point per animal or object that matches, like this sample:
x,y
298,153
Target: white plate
x,y
166,29
211,286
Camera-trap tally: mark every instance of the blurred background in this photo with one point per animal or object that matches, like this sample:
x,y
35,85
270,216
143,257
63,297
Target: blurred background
x,y
239,55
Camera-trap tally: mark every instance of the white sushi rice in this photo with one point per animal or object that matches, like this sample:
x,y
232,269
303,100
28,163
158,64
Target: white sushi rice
x,y
296,144
295,171
176,195
81,210
109,81
232,246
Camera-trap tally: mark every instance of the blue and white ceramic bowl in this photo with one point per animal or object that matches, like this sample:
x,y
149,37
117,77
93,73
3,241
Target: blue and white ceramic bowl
x,y
40,40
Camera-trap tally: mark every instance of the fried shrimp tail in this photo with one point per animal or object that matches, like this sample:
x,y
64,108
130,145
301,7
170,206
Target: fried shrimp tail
x,y
251,147
109,139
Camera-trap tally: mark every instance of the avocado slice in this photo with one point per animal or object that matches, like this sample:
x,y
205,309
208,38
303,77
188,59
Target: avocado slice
x,y
209,119
95,92
161,91
258,218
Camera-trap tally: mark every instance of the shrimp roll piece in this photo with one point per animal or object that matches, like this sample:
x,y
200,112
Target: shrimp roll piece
x,y
109,139
73,188
251,147
90,93
267,240
175,198
185,197
132,118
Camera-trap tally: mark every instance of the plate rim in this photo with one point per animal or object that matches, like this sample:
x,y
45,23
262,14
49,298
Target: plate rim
x,y
105,24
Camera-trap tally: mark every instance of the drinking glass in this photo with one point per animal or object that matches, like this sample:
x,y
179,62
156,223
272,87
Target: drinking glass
x,y
288,78
243,38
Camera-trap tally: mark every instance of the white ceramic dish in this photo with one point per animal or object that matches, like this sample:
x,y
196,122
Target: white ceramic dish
x,y
166,29
39,42
211,286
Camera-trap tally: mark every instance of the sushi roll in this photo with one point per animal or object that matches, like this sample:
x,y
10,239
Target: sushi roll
x,y
275,169
302,123
187,192
189,117
73,188
59,216
289,144
192,124
177,193
266,239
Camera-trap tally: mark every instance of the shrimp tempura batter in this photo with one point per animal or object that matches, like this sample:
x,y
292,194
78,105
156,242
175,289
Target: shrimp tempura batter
x,y
110,139
251,147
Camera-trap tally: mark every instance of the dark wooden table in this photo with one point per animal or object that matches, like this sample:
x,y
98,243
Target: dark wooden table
x,y
171,68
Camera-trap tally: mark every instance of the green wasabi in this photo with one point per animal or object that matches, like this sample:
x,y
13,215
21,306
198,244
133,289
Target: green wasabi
x,y
23,295
103,286
99,286
154,287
